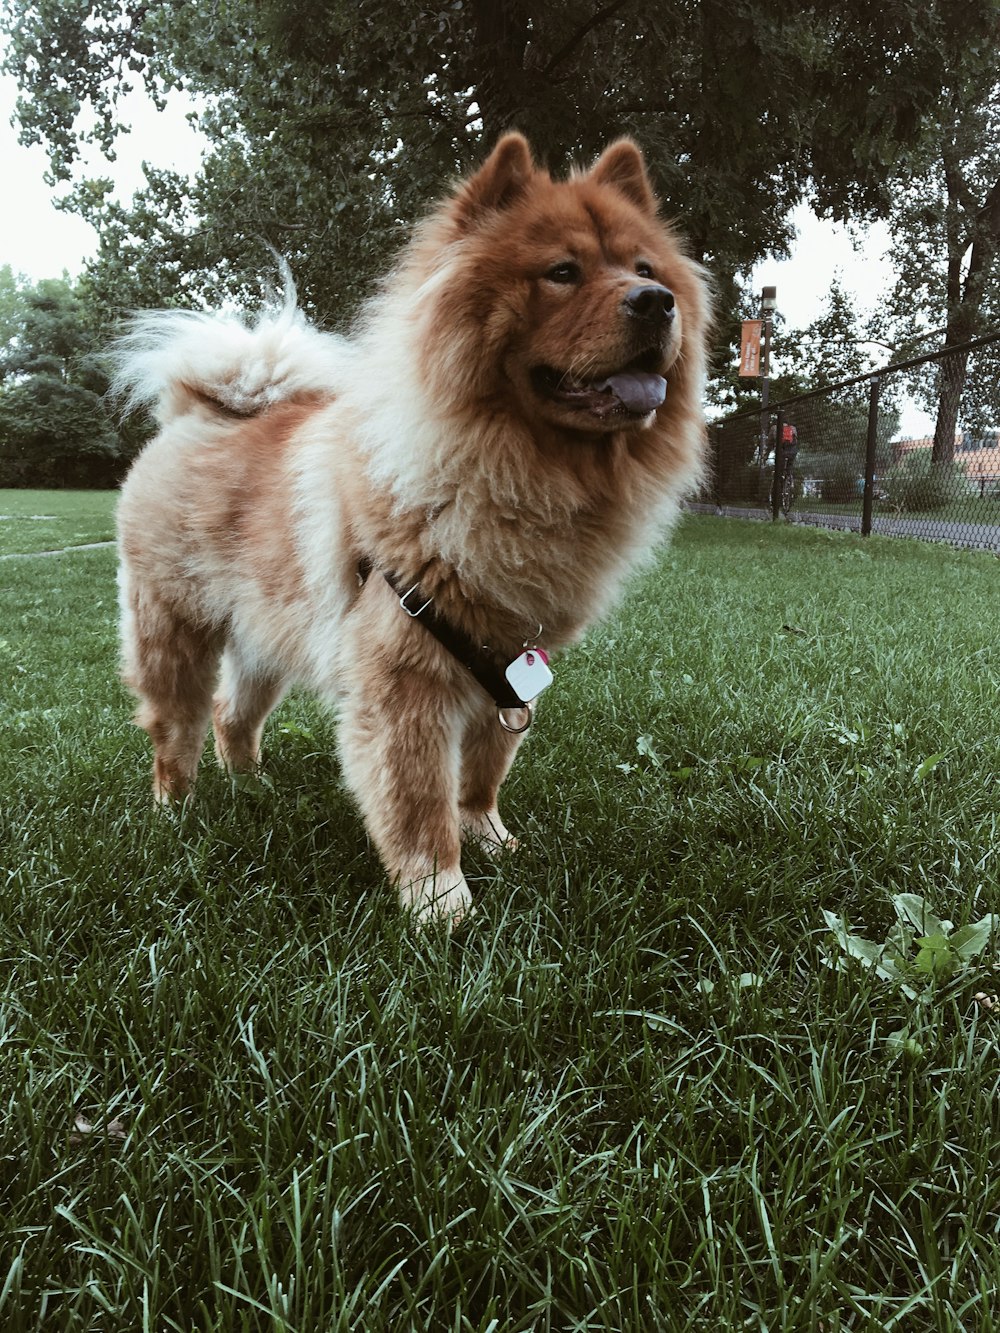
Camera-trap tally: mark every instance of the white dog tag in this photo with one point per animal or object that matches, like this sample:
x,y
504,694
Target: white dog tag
x,y
529,674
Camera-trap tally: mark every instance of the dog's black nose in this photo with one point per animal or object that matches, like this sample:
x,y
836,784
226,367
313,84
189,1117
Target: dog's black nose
x,y
651,302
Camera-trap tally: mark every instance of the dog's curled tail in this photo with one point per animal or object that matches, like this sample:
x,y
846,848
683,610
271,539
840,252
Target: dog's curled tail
x,y
171,361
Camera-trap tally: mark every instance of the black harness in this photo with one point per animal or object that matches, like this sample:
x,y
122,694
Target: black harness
x,y
480,661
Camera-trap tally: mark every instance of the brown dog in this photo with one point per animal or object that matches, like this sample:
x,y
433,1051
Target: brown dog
x,y
509,429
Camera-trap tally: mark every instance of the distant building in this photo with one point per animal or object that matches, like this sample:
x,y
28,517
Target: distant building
x,y
978,456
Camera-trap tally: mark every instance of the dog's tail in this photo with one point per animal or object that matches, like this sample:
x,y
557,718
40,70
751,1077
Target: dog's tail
x,y
171,361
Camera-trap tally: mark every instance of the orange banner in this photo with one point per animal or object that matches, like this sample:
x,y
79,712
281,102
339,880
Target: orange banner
x,y
750,348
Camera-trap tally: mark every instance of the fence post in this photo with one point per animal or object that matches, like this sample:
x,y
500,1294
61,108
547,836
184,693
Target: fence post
x,y
872,442
779,466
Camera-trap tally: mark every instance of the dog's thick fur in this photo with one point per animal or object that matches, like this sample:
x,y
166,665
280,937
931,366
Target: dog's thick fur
x,y
462,436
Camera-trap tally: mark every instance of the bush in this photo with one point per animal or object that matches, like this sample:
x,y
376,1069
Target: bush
x,y
915,485
840,485
55,433
743,484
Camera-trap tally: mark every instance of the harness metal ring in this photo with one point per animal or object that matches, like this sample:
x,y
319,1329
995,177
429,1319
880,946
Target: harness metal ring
x,y
413,614
507,726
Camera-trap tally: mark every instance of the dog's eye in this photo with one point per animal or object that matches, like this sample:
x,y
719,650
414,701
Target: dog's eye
x,y
643,269
565,272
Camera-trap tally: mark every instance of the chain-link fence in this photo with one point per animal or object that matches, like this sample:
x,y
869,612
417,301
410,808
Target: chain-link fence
x,y
837,457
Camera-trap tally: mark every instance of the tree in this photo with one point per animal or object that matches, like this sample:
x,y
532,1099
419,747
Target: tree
x,y
944,208
11,303
54,430
947,239
331,125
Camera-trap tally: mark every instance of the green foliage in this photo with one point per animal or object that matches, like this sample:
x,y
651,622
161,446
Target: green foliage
x,y
945,223
916,484
930,49
838,478
54,430
11,303
331,125
835,346
920,947
736,445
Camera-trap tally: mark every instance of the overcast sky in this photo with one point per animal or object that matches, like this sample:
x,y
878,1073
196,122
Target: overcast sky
x,y
38,240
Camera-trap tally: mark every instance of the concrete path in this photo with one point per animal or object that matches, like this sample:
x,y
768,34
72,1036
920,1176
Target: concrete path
x,y
62,550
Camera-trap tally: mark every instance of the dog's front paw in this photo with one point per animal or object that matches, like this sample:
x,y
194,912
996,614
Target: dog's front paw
x,y
488,829
440,898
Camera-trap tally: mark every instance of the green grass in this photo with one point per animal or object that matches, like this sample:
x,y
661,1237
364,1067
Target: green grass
x,y
52,520
629,1096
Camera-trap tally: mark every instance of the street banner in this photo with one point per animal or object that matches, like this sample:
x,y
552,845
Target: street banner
x,y
750,348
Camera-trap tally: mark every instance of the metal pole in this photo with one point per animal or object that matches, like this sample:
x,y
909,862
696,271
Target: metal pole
x,y
765,385
767,305
870,447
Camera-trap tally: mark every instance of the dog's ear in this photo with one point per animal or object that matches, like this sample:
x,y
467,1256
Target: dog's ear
x,y
623,167
498,182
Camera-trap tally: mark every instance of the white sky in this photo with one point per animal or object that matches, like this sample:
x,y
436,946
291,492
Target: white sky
x,y
38,240
822,252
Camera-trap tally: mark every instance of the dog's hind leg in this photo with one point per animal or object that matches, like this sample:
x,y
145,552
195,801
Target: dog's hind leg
x,y
245,698
487,754
171,665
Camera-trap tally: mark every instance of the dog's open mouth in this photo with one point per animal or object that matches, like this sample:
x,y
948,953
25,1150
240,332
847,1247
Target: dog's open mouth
x,y
634,391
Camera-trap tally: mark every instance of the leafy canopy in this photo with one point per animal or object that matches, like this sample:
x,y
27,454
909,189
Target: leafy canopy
x,y
53,426
331,126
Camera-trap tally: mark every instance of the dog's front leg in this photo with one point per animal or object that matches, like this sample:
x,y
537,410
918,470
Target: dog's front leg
x,y
487,753
400,740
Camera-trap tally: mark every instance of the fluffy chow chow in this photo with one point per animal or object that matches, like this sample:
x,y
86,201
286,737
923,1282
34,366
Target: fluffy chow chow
x,y
395,518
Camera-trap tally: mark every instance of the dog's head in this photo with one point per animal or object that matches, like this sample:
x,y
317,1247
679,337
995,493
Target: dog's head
x,y
572,293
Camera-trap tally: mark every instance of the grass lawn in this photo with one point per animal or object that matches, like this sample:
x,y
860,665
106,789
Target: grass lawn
x,y
51,520
236,1093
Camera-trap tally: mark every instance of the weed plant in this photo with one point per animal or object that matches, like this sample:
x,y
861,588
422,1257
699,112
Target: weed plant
x,y
238,1092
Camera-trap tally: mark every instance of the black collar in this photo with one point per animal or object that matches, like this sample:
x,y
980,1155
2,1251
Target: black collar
x,y
480,661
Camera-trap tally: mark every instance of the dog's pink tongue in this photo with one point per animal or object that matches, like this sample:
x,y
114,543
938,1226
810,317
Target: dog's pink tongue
x,y
638,391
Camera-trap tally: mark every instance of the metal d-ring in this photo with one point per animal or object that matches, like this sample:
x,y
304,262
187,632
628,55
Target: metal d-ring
x,y
413,614
516,731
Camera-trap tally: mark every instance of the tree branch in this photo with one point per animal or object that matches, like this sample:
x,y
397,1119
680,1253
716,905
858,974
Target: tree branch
x,y
593,22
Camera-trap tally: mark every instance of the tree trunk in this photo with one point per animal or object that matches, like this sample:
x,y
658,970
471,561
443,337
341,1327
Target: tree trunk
x,y
950,388
501,37
974,230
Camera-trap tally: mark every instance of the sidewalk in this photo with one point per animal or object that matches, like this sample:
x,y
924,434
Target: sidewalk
x,y
62,550
972,536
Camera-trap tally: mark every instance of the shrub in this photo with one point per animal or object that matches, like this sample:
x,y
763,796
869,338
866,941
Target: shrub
x,y
916,485
840,484
744,484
